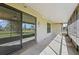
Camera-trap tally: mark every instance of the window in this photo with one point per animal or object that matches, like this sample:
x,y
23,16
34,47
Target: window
x,y
28,26
48,28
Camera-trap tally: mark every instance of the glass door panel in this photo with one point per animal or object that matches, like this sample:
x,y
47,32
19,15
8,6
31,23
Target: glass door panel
x,y
28,28
10,30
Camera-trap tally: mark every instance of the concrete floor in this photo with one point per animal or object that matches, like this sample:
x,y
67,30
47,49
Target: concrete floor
x,y
43,48
34,48
54,48
70,47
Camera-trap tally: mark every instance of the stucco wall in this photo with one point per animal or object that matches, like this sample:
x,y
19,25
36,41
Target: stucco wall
x,y
57,28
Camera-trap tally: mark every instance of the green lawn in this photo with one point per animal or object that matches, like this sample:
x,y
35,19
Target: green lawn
x,y
4,34
28,32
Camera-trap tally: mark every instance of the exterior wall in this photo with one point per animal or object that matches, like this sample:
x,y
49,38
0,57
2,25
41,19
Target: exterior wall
x,y
57,27
42,30
41,22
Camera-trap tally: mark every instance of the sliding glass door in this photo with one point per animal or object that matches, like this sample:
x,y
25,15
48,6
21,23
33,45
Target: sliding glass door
x,y
28,27
10,30
16,28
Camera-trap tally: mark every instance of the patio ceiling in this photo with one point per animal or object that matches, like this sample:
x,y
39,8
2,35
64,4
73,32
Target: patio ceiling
x,y
57,12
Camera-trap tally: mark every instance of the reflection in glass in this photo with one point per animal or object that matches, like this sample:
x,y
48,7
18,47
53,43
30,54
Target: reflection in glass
x,y
15,28
10,30
4,28
28,26
28,29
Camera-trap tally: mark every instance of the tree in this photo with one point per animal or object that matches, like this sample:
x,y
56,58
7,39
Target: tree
x,y
7,27
0,27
